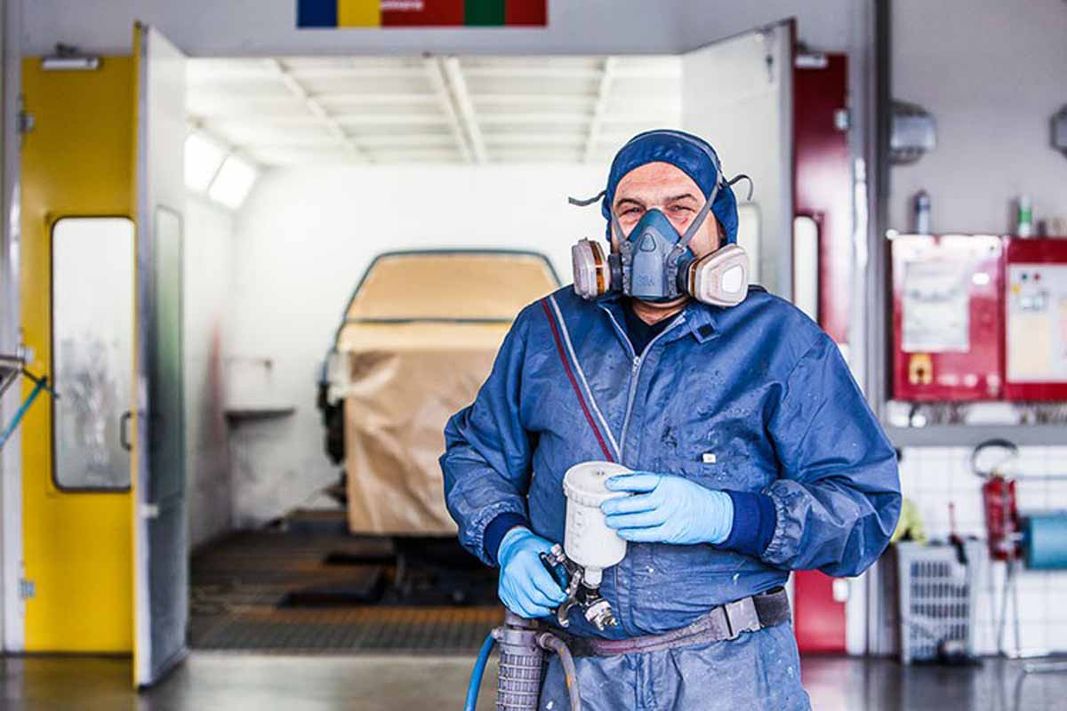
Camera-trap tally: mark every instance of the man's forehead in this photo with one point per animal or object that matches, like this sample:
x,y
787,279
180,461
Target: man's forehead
x,y
654,179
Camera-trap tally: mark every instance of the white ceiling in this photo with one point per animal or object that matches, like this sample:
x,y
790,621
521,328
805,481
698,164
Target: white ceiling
x,y
432,109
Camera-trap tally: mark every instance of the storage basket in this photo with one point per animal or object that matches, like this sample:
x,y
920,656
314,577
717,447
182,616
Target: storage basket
x,y
937,599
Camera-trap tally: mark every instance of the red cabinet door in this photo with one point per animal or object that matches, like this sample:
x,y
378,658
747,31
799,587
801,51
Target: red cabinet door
x,y
822,182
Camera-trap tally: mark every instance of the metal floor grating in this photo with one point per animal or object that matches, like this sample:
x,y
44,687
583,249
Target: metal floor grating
x,y
372,629
241,586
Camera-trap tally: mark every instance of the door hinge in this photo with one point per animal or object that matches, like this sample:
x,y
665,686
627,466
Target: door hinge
x,y
811,60
842,120
25,123
27,589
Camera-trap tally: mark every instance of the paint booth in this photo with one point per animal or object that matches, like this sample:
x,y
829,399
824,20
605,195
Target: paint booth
x,y
337,247
259,258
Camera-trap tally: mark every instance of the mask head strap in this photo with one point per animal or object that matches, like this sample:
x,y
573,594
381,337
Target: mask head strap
x,y
738,178
586,202
695,225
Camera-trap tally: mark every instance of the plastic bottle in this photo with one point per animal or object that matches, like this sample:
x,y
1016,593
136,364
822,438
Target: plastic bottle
x,y
1024,217
921,213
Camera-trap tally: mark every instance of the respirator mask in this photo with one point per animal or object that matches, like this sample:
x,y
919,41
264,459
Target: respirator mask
x,y
654,263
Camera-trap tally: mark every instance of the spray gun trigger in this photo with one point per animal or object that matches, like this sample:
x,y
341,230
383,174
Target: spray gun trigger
x,y
569,577
555,562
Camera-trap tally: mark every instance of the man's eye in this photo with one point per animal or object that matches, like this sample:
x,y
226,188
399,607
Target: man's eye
x,y
679,209
630,211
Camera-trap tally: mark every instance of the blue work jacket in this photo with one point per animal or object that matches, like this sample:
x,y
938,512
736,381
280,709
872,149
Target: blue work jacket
x,y
755,400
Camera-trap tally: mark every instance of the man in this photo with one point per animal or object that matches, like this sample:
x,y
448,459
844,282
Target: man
x,y
754,453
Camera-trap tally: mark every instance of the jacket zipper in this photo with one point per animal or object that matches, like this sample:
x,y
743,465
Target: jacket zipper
x,y
635,372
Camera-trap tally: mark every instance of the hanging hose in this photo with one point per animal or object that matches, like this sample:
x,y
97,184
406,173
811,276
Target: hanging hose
x,y
478,672
570,673
39,384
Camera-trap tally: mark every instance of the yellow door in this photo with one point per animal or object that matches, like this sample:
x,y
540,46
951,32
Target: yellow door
x,y
77,230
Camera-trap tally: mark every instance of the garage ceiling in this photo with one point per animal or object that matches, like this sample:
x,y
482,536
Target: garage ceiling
x,y
493,110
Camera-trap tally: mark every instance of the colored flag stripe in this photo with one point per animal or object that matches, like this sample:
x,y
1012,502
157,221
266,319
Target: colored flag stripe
x,y
359,13
316,13
485,13
421,13
531,13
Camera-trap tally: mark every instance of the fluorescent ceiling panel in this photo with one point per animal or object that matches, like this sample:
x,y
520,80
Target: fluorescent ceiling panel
x,y
233,183
202,160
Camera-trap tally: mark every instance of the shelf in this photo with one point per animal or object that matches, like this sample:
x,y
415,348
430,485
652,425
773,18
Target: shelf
x,y
239,415
971,435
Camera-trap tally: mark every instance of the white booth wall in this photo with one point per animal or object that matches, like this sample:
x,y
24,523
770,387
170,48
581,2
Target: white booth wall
x,y
992,73
208,258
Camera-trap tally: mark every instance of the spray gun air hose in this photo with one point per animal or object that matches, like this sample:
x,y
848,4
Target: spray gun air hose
x,y
478,672
522,646
566,660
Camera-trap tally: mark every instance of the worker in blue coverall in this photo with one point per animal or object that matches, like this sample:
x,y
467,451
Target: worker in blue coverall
x,y
753,452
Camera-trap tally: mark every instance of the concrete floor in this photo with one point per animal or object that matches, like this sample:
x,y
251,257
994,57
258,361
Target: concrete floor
x,y
210,681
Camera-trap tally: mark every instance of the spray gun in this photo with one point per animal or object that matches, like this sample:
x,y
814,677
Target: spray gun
x,y
589,546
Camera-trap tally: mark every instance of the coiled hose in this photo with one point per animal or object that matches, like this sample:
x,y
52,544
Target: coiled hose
x,y
546,641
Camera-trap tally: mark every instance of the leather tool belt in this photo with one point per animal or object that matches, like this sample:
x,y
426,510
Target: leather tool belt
x,y
724,622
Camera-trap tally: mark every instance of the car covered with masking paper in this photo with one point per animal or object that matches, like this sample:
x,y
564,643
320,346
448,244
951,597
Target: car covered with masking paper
x,y
416,340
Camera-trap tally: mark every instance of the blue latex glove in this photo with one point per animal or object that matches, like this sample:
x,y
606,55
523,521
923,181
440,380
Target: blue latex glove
x,y
667,509
526,587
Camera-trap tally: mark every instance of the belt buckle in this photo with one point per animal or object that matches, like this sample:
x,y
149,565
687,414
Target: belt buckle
x,y
741,616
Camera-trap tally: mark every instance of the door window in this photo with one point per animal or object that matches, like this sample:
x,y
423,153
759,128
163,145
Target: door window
x,y
92,351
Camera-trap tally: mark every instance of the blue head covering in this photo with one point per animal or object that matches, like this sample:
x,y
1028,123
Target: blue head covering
x,y
690,154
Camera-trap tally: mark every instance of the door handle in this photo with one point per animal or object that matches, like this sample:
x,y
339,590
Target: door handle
x,y
124,438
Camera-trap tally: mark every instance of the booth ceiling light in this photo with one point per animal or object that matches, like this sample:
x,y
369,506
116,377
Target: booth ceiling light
x,y
203,158
233,182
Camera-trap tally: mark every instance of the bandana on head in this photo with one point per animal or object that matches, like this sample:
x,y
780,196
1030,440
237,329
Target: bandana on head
x,y
692,155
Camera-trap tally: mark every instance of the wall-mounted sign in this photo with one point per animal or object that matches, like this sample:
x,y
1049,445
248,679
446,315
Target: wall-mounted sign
x,y
421,13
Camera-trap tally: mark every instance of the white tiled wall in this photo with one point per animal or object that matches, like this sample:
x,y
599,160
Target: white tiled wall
x,y
935,477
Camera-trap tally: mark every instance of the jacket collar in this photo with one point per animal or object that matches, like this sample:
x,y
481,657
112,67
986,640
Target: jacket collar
x,y
700,319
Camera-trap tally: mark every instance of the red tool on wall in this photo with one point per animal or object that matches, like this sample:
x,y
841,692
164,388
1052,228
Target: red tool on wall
x,y
1003,527
991,460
